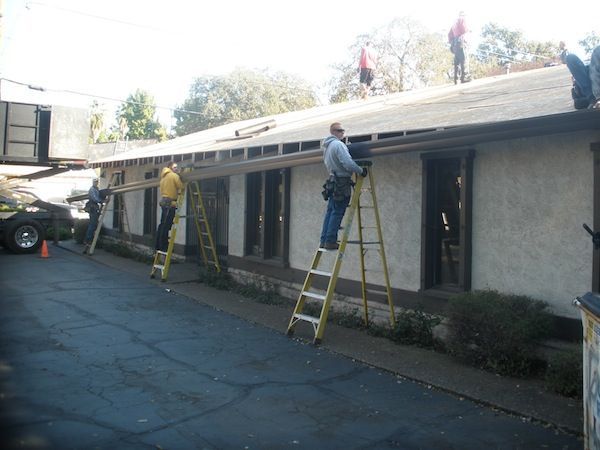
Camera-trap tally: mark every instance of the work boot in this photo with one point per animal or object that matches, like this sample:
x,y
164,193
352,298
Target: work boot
x,y
331,246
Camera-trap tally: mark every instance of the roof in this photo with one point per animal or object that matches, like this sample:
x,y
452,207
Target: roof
x,y
494,100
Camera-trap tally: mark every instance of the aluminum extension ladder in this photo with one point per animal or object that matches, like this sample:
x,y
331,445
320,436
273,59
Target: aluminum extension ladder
x,y
89,249
363,185
162,260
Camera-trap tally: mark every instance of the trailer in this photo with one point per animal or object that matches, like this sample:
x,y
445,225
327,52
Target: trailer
x,y
45,140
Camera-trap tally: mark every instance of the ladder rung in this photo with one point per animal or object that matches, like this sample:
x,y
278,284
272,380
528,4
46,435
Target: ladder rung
x,y
366,207
313,295
320,272
307,318
160,252
159,266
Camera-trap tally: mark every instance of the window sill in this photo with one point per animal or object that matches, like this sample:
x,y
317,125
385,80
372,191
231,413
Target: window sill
x,y
444,292
275,262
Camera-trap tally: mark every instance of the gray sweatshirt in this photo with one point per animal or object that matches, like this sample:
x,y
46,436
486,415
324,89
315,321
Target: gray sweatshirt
x,y
337,158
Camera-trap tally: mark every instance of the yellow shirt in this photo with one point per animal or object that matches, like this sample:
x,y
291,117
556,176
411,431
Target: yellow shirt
x,y
170,184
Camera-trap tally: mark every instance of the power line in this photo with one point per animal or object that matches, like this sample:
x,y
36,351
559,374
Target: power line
x,y
107,19
84,94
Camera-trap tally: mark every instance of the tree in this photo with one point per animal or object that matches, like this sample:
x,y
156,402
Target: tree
x,y
96,122
136,117
501,46
408,57
242,94
590,42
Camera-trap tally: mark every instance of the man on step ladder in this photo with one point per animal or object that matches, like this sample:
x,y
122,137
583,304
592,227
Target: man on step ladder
x,y
338,187
170,188
339,194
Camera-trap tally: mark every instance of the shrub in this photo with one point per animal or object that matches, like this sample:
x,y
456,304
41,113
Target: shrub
x,y
125,250
564,374
413,327
498,332
218,280
64,234
80,229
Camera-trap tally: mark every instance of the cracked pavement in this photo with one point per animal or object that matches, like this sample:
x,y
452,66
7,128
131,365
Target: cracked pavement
x,y
92,357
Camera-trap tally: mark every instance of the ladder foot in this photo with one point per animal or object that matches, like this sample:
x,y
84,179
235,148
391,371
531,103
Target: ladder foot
x,y
290,332
317,341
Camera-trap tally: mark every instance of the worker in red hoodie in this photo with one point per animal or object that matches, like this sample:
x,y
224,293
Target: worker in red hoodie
x,y
457,38
170,188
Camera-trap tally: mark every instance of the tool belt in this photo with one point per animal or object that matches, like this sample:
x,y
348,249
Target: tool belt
x,y
338,188
167,202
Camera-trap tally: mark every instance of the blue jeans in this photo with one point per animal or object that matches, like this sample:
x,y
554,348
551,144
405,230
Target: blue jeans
x,y
167,216
333,219
91,229
581,74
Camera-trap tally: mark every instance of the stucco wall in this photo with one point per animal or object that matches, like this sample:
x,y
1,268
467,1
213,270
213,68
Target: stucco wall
x,y
398,191
531,197
134,204
237,214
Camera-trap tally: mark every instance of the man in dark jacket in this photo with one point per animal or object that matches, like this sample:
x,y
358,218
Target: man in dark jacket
x,y
93,207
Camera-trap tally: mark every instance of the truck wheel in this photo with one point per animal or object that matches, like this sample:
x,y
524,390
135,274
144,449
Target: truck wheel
x,y
25,236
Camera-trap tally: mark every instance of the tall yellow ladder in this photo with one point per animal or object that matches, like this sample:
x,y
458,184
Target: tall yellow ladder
x,y
162,260
205,238
89,249
363,185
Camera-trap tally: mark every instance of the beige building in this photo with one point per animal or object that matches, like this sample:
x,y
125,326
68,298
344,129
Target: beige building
x,y
484,185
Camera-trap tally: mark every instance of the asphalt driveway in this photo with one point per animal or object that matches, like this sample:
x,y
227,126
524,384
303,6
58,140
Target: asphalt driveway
x,y
91,357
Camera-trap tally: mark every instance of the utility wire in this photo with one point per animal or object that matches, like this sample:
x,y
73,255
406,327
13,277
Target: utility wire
x,y
84,94
107,19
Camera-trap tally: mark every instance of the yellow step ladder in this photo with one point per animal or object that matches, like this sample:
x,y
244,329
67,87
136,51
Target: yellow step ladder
x,y
205,238
363,185
162,260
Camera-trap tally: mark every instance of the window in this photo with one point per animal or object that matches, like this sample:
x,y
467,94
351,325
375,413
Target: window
x,y
446,222
117,201
150,204
267,201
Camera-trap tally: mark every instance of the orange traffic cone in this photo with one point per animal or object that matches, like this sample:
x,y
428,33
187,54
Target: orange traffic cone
x,y
44,250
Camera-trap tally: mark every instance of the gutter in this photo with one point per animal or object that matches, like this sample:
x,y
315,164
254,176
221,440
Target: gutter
x,y
445,139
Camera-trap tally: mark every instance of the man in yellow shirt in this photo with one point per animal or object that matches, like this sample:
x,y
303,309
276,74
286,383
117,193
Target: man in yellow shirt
x,y
170,187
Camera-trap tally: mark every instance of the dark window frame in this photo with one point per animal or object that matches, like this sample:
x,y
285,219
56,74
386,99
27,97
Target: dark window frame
x,y
117,219
150,206
465,159
262,235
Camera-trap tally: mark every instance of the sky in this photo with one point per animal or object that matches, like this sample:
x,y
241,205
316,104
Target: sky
x,y
110,48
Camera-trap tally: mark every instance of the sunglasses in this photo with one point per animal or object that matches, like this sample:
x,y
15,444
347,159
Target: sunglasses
x,y
339,130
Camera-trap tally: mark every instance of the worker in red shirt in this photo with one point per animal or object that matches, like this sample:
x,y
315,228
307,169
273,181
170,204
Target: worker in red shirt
x,y
366,68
